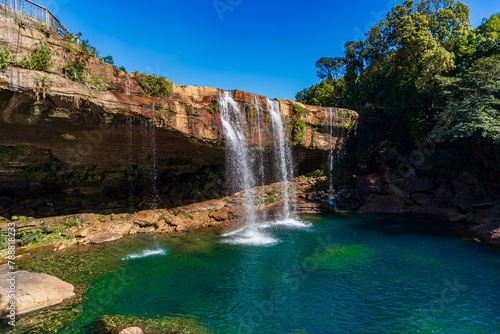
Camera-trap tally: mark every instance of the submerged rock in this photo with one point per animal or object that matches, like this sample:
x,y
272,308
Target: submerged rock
x,y
34,291
131,330
341,257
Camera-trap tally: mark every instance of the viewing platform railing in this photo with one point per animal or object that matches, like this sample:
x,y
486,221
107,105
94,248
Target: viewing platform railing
x,y
37,12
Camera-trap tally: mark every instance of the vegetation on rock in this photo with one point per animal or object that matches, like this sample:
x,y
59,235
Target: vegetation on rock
x,y
39,59
154,85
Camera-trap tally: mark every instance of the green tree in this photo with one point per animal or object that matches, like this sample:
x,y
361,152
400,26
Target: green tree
x,y
330,68
473,104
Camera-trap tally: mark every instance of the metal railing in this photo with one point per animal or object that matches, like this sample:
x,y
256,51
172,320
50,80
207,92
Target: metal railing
x,y
37,12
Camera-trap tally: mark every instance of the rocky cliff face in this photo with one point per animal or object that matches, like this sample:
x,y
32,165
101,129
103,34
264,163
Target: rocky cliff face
x,y
67,137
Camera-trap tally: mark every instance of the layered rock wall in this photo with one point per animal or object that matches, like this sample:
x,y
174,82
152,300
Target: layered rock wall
x,y
63,136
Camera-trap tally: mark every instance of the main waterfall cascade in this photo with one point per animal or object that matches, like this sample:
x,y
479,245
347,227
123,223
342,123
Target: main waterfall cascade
x,y
239,172
247,166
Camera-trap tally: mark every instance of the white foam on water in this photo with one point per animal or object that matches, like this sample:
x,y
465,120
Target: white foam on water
x,y
293,223
146,253
253,234
249,235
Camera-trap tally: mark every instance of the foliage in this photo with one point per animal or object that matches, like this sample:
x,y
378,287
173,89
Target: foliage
x,y
68,36
330,68
350,123
298,131
5,54
252,113
96,82
214,107
189,109
108,60
88,49
299,110
3,240
328,93
71,223
74,70
154,85
473,104
39,59
30,237
421,71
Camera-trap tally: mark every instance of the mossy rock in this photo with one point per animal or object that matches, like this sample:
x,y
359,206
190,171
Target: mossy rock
x,y
164,325
341,257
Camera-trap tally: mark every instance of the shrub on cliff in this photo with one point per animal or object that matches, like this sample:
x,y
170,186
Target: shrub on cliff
x,y
74,70
299,131
39,59
153,85
4,58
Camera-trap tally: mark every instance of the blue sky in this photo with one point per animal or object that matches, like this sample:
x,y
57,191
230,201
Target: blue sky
x,y
264,47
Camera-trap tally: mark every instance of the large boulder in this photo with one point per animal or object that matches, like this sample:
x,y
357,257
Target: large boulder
x,y
489,233
422,198
33,292
417,184
384,204
146,218
370,184
103,237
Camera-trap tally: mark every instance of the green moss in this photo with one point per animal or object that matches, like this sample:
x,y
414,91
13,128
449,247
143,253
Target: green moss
x,y
350,123
298,131
187,215
214,107
189,109
341,257
71,223
299,110
165,325
9,153
252,113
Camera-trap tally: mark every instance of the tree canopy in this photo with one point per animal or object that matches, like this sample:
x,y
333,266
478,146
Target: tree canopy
x,y
427,71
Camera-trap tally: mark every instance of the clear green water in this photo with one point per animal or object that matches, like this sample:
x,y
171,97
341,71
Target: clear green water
x,y
350,274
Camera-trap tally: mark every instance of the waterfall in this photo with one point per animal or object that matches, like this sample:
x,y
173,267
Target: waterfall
x,y
331,151
127,85
130,158
150,159
335,127
239,171
259,159
283,155
247,166
341,122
